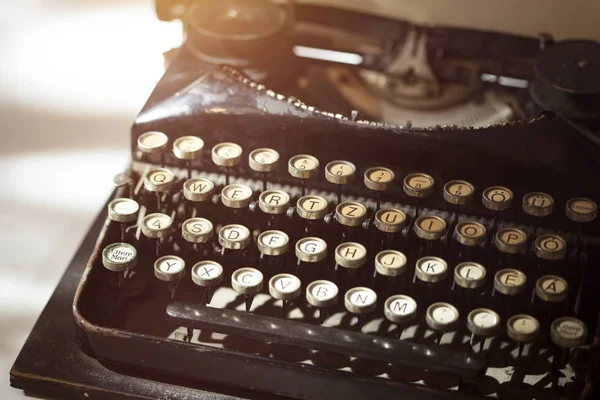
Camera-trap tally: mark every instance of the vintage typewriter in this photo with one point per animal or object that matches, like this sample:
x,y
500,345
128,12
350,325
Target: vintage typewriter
x,y
327,203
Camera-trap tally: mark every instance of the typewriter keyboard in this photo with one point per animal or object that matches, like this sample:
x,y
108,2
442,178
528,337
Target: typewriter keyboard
x,y
310,261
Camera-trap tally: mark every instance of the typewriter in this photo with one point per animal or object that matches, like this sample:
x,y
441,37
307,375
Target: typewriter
x,y
327,203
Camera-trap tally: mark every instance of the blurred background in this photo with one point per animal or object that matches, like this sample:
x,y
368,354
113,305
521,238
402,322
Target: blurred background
x,y
73,74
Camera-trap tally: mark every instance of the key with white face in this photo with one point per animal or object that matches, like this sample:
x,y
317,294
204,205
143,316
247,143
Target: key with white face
x,y
311,249
197,230
360,300
522,328
119,258
188,148
208,275
350,255
263,161
303,167
156,226
123,211
247,281
236,196
273,243
390,263
483,323
284,287
198,190
470,275
340,172
442,317
159,181
400,309
323,295
153,143
234,237
227,155
274,202
431,269
170,269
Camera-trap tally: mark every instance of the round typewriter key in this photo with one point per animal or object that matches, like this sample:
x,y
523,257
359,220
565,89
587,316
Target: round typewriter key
x,y
123,210
431,269
198,190
322,294
285,287
263,160
207,274
350,213
378,178
360,300
153,143
568,332
430,227
159,180
234,237
510,240
552,288
470,275
311,207
470,233
550,247
522,328
119,257
441,317
400,309
497,198
510,281
156,225
247,281
303,166
197,230
226,155
390,263
350,255
274,201
581,209
273,243
482,322
187,147
538,204
236,196
170,269
418,185
311,249
340,172
458,192
390,220
122,180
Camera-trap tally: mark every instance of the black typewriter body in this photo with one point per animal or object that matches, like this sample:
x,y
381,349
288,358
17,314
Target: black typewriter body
x,y
162,329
